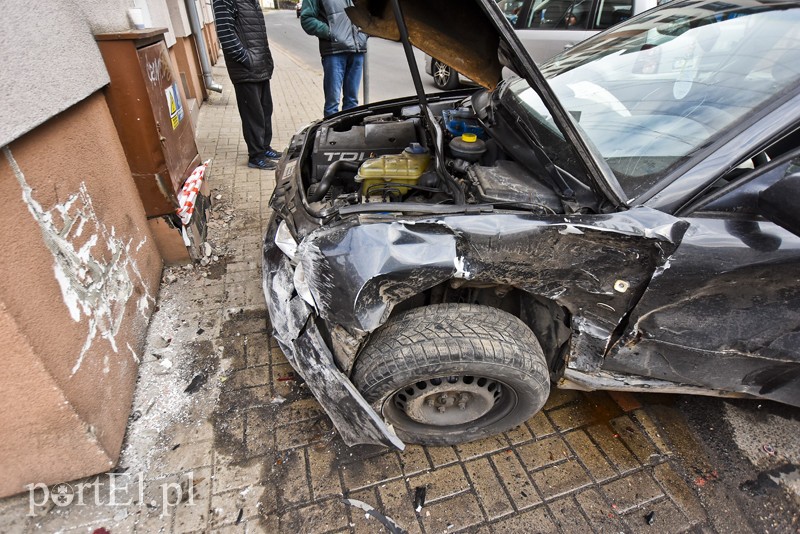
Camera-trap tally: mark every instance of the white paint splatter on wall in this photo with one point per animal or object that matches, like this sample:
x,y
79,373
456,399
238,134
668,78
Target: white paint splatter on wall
x,y
97,275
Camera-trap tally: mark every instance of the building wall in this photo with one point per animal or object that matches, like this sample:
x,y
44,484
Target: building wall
x,y
44,75
78,280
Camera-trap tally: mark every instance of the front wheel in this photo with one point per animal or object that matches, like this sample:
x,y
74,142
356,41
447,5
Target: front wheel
x,y
444,77
452,373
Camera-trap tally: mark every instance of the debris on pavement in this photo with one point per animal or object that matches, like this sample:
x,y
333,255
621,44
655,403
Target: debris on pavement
x,y
198,380
650,518
387,522
419,498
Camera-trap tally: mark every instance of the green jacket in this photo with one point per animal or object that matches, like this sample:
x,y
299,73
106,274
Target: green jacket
x,y
327,20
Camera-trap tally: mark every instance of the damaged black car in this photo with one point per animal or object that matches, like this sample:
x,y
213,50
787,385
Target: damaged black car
x,y
625,218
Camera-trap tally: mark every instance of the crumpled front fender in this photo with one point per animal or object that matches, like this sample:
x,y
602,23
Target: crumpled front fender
x,y
298,336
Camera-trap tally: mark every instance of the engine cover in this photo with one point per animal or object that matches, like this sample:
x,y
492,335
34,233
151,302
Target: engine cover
x,y
360,143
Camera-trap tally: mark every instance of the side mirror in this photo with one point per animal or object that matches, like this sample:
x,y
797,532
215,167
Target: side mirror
x,y
780,203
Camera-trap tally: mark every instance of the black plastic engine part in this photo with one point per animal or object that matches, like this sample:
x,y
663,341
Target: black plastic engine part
x,y
507,182
360,143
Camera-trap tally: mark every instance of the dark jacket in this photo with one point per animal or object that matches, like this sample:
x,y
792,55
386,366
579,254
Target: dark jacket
x,y
243,36
327,20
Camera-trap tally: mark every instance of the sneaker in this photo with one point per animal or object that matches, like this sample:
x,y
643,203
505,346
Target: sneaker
x,y
272,154
263,164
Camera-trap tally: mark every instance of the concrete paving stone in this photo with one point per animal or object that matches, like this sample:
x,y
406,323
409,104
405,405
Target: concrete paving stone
x,y
442,455
252,501
233,348
291,471
298,411
667,519
193,431
561,479
441,483
452,515
628,402
680,492
414,460
260,435
572,416
632,491
182,457
490,491
242,266
321,517
249,377
193,514
616,451
258,397
601,515
398,504
515,479
559,397
241,528
263,525
543,452
630,433
519,434
283,379
233,475
536,520
301,434
540,426
568,515
369,471
324,473
257,345
588,453
653,431
277,357
246,294
481,447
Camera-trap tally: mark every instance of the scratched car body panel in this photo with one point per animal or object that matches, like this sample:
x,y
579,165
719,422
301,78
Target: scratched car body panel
x,y
628,243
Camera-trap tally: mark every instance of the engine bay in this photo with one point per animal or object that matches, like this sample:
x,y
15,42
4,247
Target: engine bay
x,y
453,155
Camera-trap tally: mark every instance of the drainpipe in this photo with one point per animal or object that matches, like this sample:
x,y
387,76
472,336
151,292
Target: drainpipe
x,y
197,30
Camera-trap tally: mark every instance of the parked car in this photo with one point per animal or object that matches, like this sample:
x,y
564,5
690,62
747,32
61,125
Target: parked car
x,y
624,218
548,27
298,7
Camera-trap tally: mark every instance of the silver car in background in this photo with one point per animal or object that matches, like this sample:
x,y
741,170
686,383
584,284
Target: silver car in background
x,y
548,27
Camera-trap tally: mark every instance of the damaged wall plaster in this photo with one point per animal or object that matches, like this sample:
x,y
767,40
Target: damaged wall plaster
x,y
97,274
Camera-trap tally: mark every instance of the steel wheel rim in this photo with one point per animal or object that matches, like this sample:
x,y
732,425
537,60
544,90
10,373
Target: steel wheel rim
x,y
489,401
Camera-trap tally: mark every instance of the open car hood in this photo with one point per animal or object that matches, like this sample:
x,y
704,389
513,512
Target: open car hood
x,y
476,39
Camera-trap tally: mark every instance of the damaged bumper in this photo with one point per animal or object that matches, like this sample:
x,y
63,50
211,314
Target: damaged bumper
x,y
295,329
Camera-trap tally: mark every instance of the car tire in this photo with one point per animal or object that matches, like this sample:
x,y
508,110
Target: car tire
x,y
452,373
444,77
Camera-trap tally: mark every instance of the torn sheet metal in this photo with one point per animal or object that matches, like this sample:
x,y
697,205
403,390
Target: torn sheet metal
x,y
357,273
720,314
302,343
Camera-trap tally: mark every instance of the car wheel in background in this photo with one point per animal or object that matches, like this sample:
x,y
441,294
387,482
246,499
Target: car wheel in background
x,y
451,373
444,77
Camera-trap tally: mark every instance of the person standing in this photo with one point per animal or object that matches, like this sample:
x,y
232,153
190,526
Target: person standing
x,y
242,34
342,46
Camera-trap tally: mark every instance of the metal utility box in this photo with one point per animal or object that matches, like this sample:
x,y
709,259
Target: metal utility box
x,y
146,100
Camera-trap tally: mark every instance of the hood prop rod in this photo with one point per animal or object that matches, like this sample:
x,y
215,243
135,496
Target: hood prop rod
x,y
412,61
427,116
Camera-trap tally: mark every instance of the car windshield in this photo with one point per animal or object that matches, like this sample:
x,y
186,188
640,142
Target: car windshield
x,y
652,93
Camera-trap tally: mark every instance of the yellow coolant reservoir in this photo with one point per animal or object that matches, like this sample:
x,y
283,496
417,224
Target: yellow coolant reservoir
x,y
390,173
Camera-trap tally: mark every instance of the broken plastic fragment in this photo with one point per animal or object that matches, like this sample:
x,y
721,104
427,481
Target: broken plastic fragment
x,y
650,518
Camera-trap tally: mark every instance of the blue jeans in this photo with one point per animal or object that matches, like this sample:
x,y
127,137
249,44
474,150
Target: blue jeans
x,y
342,74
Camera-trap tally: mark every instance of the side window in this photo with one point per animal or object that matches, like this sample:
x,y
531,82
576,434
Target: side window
x,y
611,12
557,15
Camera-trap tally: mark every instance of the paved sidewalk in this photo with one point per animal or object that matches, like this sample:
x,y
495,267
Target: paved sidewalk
x,y
225,438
